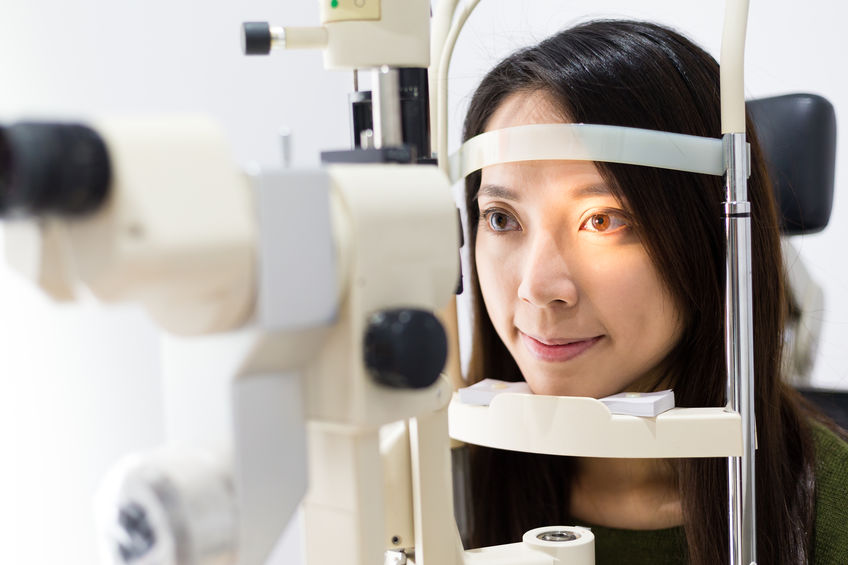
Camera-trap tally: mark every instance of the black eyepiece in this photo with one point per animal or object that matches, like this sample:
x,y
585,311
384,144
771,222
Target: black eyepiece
x,y
52,168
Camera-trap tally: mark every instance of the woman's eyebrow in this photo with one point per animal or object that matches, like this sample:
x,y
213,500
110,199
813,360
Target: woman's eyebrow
x,y
497,191
592,190
504,193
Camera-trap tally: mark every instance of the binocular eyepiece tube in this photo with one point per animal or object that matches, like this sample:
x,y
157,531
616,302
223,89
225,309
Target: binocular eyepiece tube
x,y
52,168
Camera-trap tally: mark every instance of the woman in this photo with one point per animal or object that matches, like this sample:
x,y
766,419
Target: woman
x,y
595,278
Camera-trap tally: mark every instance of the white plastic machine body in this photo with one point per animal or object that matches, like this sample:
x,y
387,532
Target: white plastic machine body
x,y
294,265
322,250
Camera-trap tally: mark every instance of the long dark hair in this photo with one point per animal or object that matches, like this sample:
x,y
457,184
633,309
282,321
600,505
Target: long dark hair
x,y
644,75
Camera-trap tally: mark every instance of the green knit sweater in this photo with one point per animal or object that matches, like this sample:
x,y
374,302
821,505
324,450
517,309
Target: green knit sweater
x,y
668,547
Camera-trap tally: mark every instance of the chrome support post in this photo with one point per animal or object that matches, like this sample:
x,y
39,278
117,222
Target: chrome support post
x,y
385,109
739,338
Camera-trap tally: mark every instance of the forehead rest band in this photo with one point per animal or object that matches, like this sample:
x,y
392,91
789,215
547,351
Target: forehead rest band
x,y
589,142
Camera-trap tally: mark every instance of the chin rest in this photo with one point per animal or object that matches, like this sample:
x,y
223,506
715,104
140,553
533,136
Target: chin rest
x,y
797,133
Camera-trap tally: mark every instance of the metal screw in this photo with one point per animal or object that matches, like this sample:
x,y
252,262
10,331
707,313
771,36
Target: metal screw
x,y
395,558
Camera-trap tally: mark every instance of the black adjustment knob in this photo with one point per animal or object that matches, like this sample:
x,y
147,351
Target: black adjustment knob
x,y
405,348
137,537
256,38
52,167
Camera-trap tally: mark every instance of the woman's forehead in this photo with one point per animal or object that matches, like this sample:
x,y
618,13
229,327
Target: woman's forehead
x,y
523,108
517,180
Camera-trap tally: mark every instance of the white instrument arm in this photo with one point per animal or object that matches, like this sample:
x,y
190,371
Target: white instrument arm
x,y
175,233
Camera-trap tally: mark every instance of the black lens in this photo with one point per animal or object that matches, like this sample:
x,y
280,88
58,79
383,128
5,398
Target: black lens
x,y
50,167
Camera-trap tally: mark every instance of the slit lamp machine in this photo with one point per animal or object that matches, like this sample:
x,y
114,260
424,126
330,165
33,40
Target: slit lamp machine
x,y
304,304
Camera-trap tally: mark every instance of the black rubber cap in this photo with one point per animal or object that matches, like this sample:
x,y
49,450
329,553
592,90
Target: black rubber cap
x,y
797,134
256,38
405,348
52,167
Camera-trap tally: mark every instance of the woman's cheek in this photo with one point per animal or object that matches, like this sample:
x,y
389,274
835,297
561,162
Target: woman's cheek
x,y
496,271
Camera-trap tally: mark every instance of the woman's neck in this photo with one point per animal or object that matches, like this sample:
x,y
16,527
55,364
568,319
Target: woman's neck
x,y
633,494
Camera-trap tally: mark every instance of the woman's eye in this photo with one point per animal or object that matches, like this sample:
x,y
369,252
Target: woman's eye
x,y
604,222
500,221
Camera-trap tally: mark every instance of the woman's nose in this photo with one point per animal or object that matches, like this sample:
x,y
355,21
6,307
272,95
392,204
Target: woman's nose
x,y
547,278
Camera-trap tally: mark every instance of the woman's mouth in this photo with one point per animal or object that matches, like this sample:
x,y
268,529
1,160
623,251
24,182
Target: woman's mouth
x,y
557,350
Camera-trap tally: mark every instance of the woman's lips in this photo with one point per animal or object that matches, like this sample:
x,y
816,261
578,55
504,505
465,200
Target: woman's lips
x,y
557,352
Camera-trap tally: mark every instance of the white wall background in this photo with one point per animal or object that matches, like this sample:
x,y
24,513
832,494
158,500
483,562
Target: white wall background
x,y
79,384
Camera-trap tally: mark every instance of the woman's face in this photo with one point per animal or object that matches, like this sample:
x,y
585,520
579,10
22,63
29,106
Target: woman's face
x,y
567,284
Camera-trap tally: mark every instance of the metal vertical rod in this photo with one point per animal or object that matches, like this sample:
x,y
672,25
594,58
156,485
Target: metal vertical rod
x,y
739,338
385,107
286,146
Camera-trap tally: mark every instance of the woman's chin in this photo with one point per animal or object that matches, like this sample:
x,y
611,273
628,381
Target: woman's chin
x,y
557,385
548,388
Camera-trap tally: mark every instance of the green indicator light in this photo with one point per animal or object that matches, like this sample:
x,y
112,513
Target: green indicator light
x,y
334,4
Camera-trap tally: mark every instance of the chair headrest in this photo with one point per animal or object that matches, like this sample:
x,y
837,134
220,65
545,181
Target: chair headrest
x,y
797,133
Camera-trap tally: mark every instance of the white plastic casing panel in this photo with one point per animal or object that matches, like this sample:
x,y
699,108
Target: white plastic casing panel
x,y
270,473
349,10
400,38
398,225
298,280
239,395
177,232
396,230
397,485
577,426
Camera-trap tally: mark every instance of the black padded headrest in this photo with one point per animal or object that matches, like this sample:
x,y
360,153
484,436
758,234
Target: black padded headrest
x,y
797,133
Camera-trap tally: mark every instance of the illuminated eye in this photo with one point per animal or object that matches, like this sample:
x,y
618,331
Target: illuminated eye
x,y
500,221
604,222
600,222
